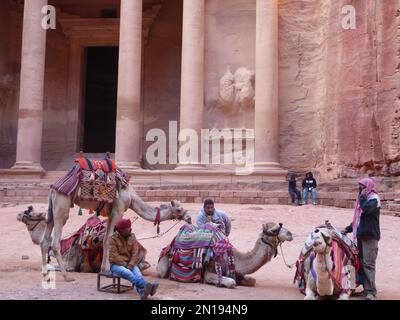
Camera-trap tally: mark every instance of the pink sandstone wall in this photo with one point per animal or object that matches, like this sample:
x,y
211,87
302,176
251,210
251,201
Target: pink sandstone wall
x,y
340,89
162,72
230,42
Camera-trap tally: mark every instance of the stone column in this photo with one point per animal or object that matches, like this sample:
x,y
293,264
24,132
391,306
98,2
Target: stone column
x,y
192,79
127,145
266,99
30,117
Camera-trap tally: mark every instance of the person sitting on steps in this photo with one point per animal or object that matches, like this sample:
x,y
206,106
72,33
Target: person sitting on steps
x,y
309,186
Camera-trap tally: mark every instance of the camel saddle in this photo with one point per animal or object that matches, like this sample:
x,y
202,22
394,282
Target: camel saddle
x,y
98,180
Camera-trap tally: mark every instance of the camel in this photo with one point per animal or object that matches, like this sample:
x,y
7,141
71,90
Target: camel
x,y
35,223
58,214
321,239
265,248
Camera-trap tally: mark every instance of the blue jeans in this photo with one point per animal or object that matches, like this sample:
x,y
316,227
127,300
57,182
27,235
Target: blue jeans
x,y
313,195
134,276
295,193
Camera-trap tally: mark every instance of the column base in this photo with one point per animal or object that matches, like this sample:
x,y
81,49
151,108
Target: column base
x,y
28,166
128,166
190,167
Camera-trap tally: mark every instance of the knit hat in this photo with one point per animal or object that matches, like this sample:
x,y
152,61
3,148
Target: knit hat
x,y
123,224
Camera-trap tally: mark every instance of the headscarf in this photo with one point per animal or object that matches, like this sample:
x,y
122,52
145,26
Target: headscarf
x,y
371,194
123,224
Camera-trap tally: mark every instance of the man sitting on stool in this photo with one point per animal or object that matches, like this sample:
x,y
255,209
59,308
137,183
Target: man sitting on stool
x,y
124,257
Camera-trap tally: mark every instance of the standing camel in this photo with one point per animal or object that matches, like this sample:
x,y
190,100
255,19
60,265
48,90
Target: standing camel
x,y
58,214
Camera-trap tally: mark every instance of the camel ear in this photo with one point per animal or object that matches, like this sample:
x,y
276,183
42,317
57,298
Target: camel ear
x,y
265,227
173,203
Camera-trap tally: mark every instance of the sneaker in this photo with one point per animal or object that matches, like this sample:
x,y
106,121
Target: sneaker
x,y
369,296
154,288
314,203
144,294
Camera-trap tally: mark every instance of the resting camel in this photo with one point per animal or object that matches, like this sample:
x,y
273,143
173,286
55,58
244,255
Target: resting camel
x,y
266,246
58,214
321,239
35,223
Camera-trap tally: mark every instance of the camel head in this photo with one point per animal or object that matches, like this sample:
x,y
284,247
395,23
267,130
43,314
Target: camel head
x,y
179,213
321,240
30,215
275,233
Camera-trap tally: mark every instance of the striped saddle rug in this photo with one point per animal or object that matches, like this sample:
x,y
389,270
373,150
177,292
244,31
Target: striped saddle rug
x,y
345,260
194,247
94,180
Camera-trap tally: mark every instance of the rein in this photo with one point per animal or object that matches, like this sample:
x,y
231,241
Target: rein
x,y
29,218
159,235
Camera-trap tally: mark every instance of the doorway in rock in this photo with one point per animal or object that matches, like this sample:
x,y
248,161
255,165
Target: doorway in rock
x,y
100,100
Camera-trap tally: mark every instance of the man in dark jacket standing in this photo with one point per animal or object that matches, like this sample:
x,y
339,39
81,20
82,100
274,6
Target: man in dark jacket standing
x,y
366,233
309,186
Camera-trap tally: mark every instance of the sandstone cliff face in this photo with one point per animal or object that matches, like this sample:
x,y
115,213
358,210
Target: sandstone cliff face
x,y
340,89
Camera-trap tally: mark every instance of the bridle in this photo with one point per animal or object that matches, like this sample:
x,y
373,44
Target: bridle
x,y
274,234
328,245
27,217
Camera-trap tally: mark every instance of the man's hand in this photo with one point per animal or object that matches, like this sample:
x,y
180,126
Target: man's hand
x,y
344,232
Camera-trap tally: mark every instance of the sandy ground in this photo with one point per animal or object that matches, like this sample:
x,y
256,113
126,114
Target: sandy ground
x,y
21,279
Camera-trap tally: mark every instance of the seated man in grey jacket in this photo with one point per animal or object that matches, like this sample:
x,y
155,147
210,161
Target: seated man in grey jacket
x,y
209,214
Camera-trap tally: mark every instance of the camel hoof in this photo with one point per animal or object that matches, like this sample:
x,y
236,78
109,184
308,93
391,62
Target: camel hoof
x,y
68,279
231,284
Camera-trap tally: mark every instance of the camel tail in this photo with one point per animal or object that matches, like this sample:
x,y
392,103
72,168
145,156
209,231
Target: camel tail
x,y
50,208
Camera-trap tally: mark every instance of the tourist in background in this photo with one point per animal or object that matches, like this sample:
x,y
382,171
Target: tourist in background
x,y
293,191
309,186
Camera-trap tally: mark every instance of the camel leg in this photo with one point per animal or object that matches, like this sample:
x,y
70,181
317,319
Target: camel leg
x,y
163,267
55,246
44,246
310,289
212,278
112,221
248,281
344,295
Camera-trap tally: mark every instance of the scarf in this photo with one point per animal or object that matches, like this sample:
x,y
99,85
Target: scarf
x,y
371,194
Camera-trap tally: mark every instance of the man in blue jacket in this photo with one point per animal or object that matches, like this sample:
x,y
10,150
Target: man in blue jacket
x,y
209,214
366,233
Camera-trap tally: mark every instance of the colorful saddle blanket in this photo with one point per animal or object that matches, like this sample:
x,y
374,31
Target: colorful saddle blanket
x,y
96,180
346,264
192,249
